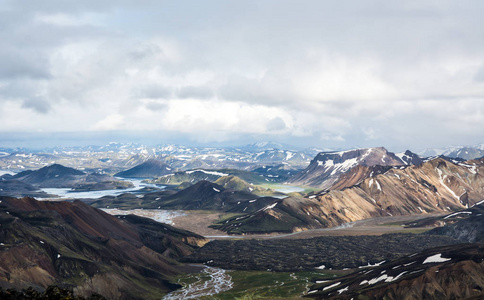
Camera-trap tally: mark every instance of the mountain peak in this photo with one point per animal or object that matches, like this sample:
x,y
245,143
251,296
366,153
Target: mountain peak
x,y
150,168
326,167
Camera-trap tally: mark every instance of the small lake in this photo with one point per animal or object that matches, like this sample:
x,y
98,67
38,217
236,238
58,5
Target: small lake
x,y
162,216
3,172
286,189
66,193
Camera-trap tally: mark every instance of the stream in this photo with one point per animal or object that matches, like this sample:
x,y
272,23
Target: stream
x,y
219,282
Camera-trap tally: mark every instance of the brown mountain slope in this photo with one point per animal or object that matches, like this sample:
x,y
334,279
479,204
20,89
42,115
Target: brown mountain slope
x,y
432,187
449,272
326,167
435,186
73,244
357,174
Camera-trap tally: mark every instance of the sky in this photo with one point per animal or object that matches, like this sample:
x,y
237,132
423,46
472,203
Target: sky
x,y
327,74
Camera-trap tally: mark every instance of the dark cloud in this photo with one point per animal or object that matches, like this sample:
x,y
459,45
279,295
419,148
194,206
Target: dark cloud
x,y
21,63
154,92
156,106
479,76
197,92
37,104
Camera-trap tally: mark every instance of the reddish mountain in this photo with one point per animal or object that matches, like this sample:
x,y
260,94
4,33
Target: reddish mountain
x,y
74,244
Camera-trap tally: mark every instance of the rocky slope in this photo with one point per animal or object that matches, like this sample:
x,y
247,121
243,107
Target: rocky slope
x,y
52,292
326,167
72,244
192,177
149,169
410,158
466,225
449,272
203,195
235,183
436,186
206,195
17,188
196,175
276,173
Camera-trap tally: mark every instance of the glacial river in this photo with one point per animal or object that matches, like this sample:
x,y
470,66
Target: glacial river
x,y
219,282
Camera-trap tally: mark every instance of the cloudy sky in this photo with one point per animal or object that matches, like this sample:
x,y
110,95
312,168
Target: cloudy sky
x,y
402,74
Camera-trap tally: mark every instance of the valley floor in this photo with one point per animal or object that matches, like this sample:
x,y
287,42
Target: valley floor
x,y
198,222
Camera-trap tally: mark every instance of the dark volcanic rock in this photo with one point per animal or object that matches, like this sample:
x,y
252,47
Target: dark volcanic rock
x,y
465,226
335,252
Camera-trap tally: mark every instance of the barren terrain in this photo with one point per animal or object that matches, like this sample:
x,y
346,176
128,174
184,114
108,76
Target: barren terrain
x,y
198,222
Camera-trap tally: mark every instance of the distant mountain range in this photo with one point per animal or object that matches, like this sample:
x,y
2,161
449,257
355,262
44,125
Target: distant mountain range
x,y
28,183
464,152
115,157
58,176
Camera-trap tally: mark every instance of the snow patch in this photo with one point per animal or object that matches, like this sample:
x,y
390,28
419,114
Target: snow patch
x,y
478,203
321,281
370,265
399,275
436,258
378,279
343,290
331,286
458,213
270,206
208,172
378,185
441,179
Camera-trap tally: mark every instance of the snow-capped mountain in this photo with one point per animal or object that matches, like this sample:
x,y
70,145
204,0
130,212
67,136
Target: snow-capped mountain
x,y
326,167
464,152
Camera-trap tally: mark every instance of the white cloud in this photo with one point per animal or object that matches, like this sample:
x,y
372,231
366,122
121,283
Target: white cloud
x,y
111,122
319,70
